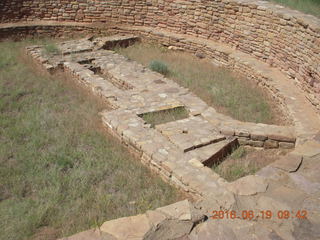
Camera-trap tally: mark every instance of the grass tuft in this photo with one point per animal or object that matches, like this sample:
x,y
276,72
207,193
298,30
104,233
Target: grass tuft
x,y
51,48
160,67
239,153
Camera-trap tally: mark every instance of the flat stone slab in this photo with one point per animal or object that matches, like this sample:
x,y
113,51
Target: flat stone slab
x,y
131,228
305,184
310,148
87,44
289,162
75,46
114,41
190,133
92,234
249,185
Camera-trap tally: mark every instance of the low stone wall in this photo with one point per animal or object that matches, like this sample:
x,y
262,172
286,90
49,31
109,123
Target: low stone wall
x,y
283,38
50,30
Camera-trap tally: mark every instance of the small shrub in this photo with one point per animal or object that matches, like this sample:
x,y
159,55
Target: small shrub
x,y
159,67
51,48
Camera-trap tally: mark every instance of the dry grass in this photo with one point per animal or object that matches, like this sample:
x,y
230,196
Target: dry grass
x,y
228,93
59,173
165,116
307,6
245,161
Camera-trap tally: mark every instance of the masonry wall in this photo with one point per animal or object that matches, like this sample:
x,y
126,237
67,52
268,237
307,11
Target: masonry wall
x,y
283,38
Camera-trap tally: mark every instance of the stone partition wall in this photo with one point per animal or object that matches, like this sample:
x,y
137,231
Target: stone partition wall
x,y
285,39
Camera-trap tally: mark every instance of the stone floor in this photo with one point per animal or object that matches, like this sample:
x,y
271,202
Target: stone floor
x,y
180,152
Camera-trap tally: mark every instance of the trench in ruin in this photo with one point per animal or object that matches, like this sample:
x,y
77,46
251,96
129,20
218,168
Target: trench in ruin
x,y
206,144
201,142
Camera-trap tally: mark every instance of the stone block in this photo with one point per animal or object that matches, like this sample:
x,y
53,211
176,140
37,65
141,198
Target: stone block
x,y
134,227
244,141
249,185
269,144
289,162
242,133
258,136
286,145
256,143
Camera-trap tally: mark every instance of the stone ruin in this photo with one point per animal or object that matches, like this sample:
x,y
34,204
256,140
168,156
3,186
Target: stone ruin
x,y
182,151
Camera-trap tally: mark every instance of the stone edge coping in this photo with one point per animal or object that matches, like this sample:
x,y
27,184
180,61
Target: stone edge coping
x,y
42,23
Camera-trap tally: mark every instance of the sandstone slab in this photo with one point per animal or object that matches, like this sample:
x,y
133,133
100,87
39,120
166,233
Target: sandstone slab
x,y
130,228
289,162
249,185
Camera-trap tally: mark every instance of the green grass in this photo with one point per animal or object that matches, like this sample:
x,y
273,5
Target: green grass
x,y
238,153
245,161
236,166
51,48
159,67
307,6
165,116
228,93
60,173
236,171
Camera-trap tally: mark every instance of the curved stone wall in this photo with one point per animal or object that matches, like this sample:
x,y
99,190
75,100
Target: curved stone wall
x,y
283,38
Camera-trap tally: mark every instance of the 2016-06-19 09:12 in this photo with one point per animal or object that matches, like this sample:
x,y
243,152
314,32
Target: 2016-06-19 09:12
x,y
266,214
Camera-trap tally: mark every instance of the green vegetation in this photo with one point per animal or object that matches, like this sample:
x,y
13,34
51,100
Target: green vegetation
x,y
160,117
60,173
236,171
245,161
238,153
306,6
159,67
236,166
51,48
228,93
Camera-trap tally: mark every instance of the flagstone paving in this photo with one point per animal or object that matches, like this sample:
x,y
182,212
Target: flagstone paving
x,y
179,151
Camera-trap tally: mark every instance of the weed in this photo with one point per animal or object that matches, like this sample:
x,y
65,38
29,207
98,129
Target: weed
x,y
238,153
235,171
160,67
51,48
